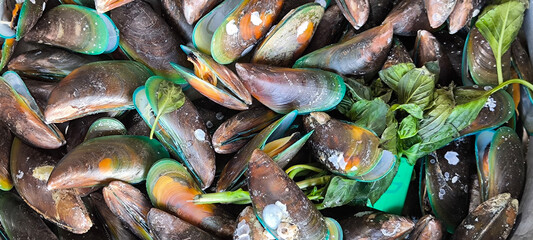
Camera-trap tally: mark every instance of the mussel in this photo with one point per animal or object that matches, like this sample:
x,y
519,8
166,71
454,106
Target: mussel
x,y
18,17
94,88
427,228
167,226
115,227
6,139
76,28
20,113
170,187
376,225
407,17
104,159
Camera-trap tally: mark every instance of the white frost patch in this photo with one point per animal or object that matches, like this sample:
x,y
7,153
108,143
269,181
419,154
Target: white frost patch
x,y
452,158
301,29
455,179
256,19
475,12
199,134
231,28
442,192
19,175
491,103
469,227
388,233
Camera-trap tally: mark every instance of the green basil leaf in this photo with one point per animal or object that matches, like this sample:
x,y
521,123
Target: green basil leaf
x,y
413,109
436,116
392,75
499,24
170,97
379,187
369,114
408,127
342,191
389,138
416,87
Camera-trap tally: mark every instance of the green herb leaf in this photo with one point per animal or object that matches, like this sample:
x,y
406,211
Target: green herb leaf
x,y
408,127
369,114
392,75
389,138
413,109
499,24
436,116
170,97
416,87
342,191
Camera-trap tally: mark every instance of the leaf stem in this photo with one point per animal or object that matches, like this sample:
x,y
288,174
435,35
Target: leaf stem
x,y
499,70
294,170
152,131
504,84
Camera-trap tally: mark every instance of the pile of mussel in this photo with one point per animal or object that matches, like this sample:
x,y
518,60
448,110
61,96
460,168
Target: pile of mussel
x,y
266,119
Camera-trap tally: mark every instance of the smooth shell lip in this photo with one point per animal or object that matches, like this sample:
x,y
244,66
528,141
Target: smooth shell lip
x,y
113,42
384,166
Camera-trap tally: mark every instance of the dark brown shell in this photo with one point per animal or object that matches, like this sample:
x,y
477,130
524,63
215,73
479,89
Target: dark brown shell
x,y
112,221
173,13
329,29
376,225
407,17
167,226
249,227
427,228
5,148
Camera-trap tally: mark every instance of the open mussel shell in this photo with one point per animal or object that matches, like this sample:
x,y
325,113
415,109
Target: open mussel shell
x,y
295,30
16,217
115,227
207,73
239,129
500,161
186,134
237,166
167,226
171,188
96,87
287,89
77,28
104,159
481,61
21,114
365,53
407,17
32,167
438,11
446,185
493,219
6,139
105,127
427,228
48,63
376,225
498,109
281,207
27,13
207,25
355,11
147,38
243,28
130,205
347,149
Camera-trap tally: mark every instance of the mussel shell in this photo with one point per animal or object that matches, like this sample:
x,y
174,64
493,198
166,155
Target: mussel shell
x,y
438,11
187,134
287,89
105,127
427,228
500,161
493,219
63,207
130,205
96,87
429,49
147,38
498,110
167,226
461,15
398,54
8,49
329,29
243,28
40,91
407,17
103,6
173,14
343,148
29,15
237,130
114,225
170,187
16,217
447,178
48,63
23,118
376,225
5,148
194,9
77,28
524,69
481,60
207,25
104,159
278,202
249,227
365,53
355,11
77,130
238,165
295,30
